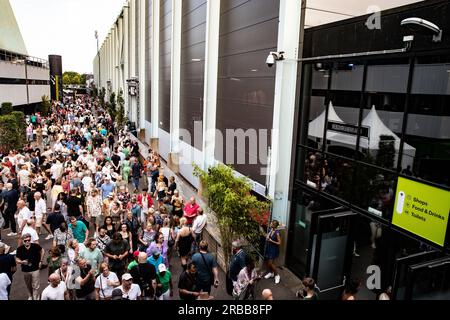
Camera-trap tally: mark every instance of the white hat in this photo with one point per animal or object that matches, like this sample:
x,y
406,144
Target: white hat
x,y
127,277
162,268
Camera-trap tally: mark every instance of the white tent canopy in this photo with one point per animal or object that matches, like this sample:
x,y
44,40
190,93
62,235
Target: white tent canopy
x,y
377,129
316,127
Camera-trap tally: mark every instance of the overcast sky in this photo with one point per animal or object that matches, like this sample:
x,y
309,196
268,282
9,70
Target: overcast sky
x,y
66,28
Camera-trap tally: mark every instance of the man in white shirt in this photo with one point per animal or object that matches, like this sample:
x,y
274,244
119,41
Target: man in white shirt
x,y
24,178
4,283
56,290
29,229
56,170
83,158
24,214
105,283
86,181
199,224
40,209
130,290
58,146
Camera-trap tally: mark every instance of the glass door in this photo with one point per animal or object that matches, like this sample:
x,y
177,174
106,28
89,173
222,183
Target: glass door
x,y
429,280
331,251
401,271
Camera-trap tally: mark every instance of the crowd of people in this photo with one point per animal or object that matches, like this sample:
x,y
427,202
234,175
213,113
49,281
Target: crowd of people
x,y
115,222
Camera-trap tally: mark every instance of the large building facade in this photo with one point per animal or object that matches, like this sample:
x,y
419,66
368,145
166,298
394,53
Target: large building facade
x,y
328,134
23,79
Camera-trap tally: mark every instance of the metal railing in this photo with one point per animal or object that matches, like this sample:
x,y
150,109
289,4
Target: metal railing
x,y
14,57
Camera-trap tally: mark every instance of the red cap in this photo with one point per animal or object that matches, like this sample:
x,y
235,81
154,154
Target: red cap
x,y
136,253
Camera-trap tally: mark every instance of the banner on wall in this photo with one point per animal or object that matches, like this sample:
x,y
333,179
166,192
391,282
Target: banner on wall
x,y
422,210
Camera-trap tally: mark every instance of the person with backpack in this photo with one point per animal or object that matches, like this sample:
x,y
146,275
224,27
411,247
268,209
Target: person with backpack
x,y
144,275
207,268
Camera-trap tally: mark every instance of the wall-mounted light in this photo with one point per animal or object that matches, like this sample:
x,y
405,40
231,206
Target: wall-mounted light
x,y
422,26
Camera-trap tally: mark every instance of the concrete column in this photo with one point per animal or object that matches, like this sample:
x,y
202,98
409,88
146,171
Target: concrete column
x,y
126,54
211,74
156,7
120,71
284,108
114,53
133,102
117,66
143,67
175,86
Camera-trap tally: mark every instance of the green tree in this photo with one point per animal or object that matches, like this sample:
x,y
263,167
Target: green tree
x,y
46,105
102,95
111,107
120,115
236,209
83,79
73,78
66,80
7,108
9,134
21,127
76,79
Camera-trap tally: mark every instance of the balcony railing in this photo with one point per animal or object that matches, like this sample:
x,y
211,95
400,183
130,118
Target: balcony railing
x,y
20,58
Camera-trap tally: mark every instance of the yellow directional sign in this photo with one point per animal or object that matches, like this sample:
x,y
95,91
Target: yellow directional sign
x,y
422,210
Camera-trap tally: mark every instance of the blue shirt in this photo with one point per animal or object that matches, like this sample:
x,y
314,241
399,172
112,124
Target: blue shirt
x,y
204,266
79,231
107,189
136,211
154,262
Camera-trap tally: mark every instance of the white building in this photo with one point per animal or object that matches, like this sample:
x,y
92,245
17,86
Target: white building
x,y
23,79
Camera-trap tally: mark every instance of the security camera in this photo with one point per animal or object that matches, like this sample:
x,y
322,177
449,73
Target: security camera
x,y
274,57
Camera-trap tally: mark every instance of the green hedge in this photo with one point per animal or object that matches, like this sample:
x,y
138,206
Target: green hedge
x,y
7,108
21,126
9,139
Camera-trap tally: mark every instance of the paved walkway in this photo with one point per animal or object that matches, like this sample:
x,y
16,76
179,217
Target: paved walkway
x,y
289,284
284,291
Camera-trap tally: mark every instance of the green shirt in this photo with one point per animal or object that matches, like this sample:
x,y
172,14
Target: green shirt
x,y
94,258
165,281
132,264
79,232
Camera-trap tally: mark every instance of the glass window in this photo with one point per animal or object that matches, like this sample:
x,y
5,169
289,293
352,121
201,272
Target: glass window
x,y
347,76
329,174
320,76
388,76
316,124
381,129
344,108
376,189
426,153
432,76
384,105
